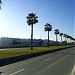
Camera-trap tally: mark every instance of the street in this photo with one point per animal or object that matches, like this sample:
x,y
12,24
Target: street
x,y
57,63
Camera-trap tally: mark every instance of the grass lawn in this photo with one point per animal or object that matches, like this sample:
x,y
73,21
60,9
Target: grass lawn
x,y
18,52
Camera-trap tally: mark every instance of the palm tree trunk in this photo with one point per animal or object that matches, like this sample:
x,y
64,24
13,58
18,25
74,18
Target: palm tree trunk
x,y
56,40
32,37
61,41
48,38
65,40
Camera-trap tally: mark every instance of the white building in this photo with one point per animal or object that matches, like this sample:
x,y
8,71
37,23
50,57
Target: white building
x,y
5,41
8,42
17,42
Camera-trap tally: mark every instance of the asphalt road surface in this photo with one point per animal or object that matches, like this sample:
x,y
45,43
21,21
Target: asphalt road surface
x,y
57,63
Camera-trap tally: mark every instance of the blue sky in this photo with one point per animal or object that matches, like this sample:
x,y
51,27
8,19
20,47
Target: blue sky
x,y
59,13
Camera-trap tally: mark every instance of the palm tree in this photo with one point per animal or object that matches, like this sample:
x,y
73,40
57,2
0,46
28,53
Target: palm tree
x,y
48,28
31,19
71,39
56,33
65,35
61,37
0,4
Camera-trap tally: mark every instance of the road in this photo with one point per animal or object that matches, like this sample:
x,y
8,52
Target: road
x,y
19,48
57,63
15,48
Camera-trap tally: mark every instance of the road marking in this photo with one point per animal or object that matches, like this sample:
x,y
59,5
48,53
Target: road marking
x,y
17,72
47,59
73,71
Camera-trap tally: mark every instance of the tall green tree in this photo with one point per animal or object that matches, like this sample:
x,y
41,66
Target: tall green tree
x,y
56,32
32,19
61,34
48,28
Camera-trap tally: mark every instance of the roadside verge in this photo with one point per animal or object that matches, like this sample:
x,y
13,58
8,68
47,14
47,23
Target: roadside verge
x,y
11,60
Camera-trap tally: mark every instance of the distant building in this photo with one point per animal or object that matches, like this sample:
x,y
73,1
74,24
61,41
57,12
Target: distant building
x,y
51,43
17,42
8,42
5,41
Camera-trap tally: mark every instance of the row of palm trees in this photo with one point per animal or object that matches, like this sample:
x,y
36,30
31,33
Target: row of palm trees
x,y
67,37
48,28
32,19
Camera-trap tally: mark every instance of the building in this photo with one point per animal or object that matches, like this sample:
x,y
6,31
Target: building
x,y
17,42
5,41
